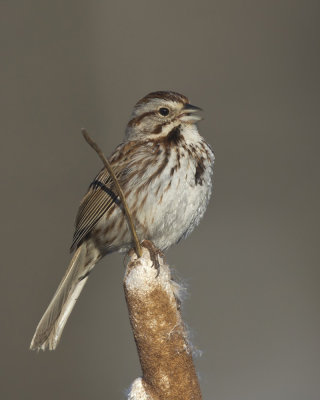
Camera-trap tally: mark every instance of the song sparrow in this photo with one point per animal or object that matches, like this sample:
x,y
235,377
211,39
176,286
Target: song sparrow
x,y
164,168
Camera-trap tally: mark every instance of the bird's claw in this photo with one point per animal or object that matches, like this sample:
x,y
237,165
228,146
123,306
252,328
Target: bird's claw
x,y
154,254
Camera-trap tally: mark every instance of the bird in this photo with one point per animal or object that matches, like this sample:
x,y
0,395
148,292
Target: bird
x,y
164,167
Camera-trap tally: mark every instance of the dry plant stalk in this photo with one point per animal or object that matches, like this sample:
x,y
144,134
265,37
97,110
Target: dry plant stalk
x,y
120,193
164,351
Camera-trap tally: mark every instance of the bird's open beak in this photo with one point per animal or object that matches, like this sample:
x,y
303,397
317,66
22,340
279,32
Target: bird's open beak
x,y
189,113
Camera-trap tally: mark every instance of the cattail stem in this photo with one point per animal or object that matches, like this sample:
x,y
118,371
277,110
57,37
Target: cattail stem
x,y
164,350
120,193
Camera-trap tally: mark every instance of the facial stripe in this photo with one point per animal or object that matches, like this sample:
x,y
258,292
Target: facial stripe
x,y
174,136
167,96
137,120
159,128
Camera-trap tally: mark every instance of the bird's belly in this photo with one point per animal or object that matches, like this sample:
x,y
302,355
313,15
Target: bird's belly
x,y
176,209
165,207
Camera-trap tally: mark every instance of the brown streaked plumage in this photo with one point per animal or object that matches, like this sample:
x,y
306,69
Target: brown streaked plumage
x,y
164,168
164,96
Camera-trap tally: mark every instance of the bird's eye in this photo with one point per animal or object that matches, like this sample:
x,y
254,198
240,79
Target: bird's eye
x,y
164,111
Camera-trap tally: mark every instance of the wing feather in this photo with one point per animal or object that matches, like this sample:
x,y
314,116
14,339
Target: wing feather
x,y
100,197
102,194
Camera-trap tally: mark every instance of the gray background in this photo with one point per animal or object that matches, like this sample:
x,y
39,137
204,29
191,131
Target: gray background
x,y
252,266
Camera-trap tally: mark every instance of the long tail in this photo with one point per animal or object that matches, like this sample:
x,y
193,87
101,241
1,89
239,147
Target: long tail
x,y
50,327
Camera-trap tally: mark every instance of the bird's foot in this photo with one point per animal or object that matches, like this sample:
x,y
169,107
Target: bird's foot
x,y
154,254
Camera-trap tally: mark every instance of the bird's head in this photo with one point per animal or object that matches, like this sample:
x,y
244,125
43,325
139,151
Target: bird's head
x,y
158,113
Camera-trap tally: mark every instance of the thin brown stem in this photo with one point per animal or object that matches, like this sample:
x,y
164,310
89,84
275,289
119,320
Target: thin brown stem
x,y
106,163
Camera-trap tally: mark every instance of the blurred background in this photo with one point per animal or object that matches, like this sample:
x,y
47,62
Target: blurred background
x,y
251,267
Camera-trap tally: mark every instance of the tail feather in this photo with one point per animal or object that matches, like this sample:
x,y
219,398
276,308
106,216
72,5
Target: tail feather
x,y
50,327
